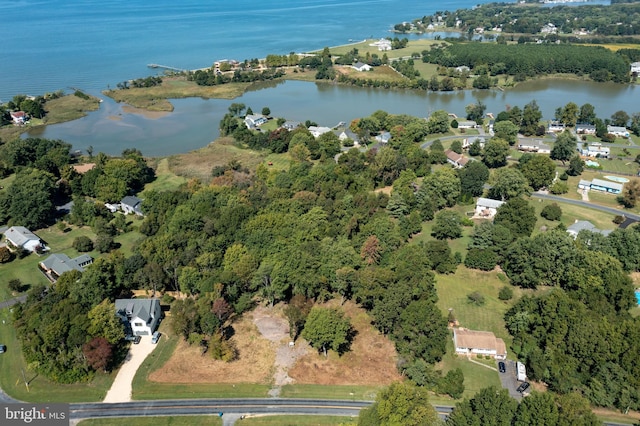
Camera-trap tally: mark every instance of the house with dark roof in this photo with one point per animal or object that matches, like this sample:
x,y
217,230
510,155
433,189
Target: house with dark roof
x,y
21,237
59,263
140,317
131,204
528,145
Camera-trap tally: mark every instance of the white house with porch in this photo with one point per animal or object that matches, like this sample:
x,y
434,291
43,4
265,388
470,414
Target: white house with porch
x,y
473,343
21,238
140,317
486,208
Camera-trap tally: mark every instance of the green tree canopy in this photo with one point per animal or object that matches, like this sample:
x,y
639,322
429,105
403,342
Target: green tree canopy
x,y
327,328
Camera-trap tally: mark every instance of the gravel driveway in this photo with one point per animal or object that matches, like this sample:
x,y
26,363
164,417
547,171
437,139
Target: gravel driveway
x,y
121,388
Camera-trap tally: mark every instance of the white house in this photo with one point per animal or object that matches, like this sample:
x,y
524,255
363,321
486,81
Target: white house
x,y
467,124
549,29
361,66
467,142
596,150
343,135
528,145
487,208
458,161
318,130
471,342
21,237
19,117
382,44
621,132
139,316
383,137
586,129
131,204
556,127
584,225
606,186
254,120
291,125
59,263
635,67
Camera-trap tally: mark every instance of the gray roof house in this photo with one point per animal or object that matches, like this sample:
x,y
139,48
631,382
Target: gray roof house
x,y
21,237
131,204
486,208
139,316
585,225
59,263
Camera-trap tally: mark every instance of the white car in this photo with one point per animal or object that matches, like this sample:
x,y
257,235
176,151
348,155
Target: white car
x,y
155,337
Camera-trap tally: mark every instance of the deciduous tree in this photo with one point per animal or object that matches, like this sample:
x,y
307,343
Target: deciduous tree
x,y
327,328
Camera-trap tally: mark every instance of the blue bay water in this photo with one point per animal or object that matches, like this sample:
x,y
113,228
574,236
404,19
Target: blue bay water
x,y
93,44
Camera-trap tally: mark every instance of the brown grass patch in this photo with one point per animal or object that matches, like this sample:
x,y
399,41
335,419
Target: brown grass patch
x,y
371,361
254,363
386,190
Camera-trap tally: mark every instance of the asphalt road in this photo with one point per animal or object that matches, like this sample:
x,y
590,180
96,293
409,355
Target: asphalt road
x,y
586,204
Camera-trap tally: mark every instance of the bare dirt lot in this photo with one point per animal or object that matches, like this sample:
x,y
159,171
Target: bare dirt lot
x,y
262,339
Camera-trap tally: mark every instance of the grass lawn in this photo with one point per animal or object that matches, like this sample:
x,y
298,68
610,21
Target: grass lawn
x,y
41,389
426,70
145,390
366,393
382,73
26,270
212,420
456,245
476,377
570,214
296,421
165,180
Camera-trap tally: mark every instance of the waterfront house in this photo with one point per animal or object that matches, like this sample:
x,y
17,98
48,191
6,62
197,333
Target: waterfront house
x,y
585,129
556,127
59,263
318,130
383,137
472,342
361,66
606,186
486,208
596,150
584,225
618,131
467,124
253,121
382,44
343,135
291,125
140,317
528,145
19,117
458,161
131,205
20,237
635,67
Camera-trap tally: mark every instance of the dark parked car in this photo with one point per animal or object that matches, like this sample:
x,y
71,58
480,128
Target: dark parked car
x,y
502,367
134,339
3,349
523,387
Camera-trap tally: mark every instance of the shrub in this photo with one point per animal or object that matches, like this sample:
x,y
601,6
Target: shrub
x,y
167,299
564,176
15,285
5,255
505,293
104,243
551,212
618,219
483,259
82,244
559,187
476,298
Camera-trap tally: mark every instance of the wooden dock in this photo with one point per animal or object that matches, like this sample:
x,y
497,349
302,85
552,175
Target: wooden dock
x,y
166,67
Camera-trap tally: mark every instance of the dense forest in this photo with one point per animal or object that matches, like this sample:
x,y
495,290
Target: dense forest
x,y
319,230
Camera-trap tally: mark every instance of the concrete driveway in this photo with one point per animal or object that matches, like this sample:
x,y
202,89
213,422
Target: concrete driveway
x,y
121,388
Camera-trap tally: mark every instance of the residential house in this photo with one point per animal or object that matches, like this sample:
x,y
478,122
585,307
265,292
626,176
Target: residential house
x,y
383,137
463,68
131,205
536,145
382,44
361,66
492,122
486,208
471,342
467,124
584,225
606,186
467,142
59,263
556,127
596,150
253,121
345,134
584,184
458,161
549,29
19,117
291,125
140,317
318,130
585,129
21,237
635,67
618,131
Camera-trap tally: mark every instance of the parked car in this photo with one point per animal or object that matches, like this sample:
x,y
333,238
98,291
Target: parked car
x,y
3,349
523,387
502,367
136,340
155,337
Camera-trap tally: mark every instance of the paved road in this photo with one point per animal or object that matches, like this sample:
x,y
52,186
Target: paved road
x,y
14,301
587,204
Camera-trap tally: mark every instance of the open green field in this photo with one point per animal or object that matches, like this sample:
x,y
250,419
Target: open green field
x,y
595,197
570,214
165,179
476,377
12,365
212,420
413,46
382,73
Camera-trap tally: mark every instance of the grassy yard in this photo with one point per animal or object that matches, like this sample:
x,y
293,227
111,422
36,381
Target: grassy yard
x,y
12,366
143,389
382,73
570,214
212,420
366,393
165,180
297,421
476,377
